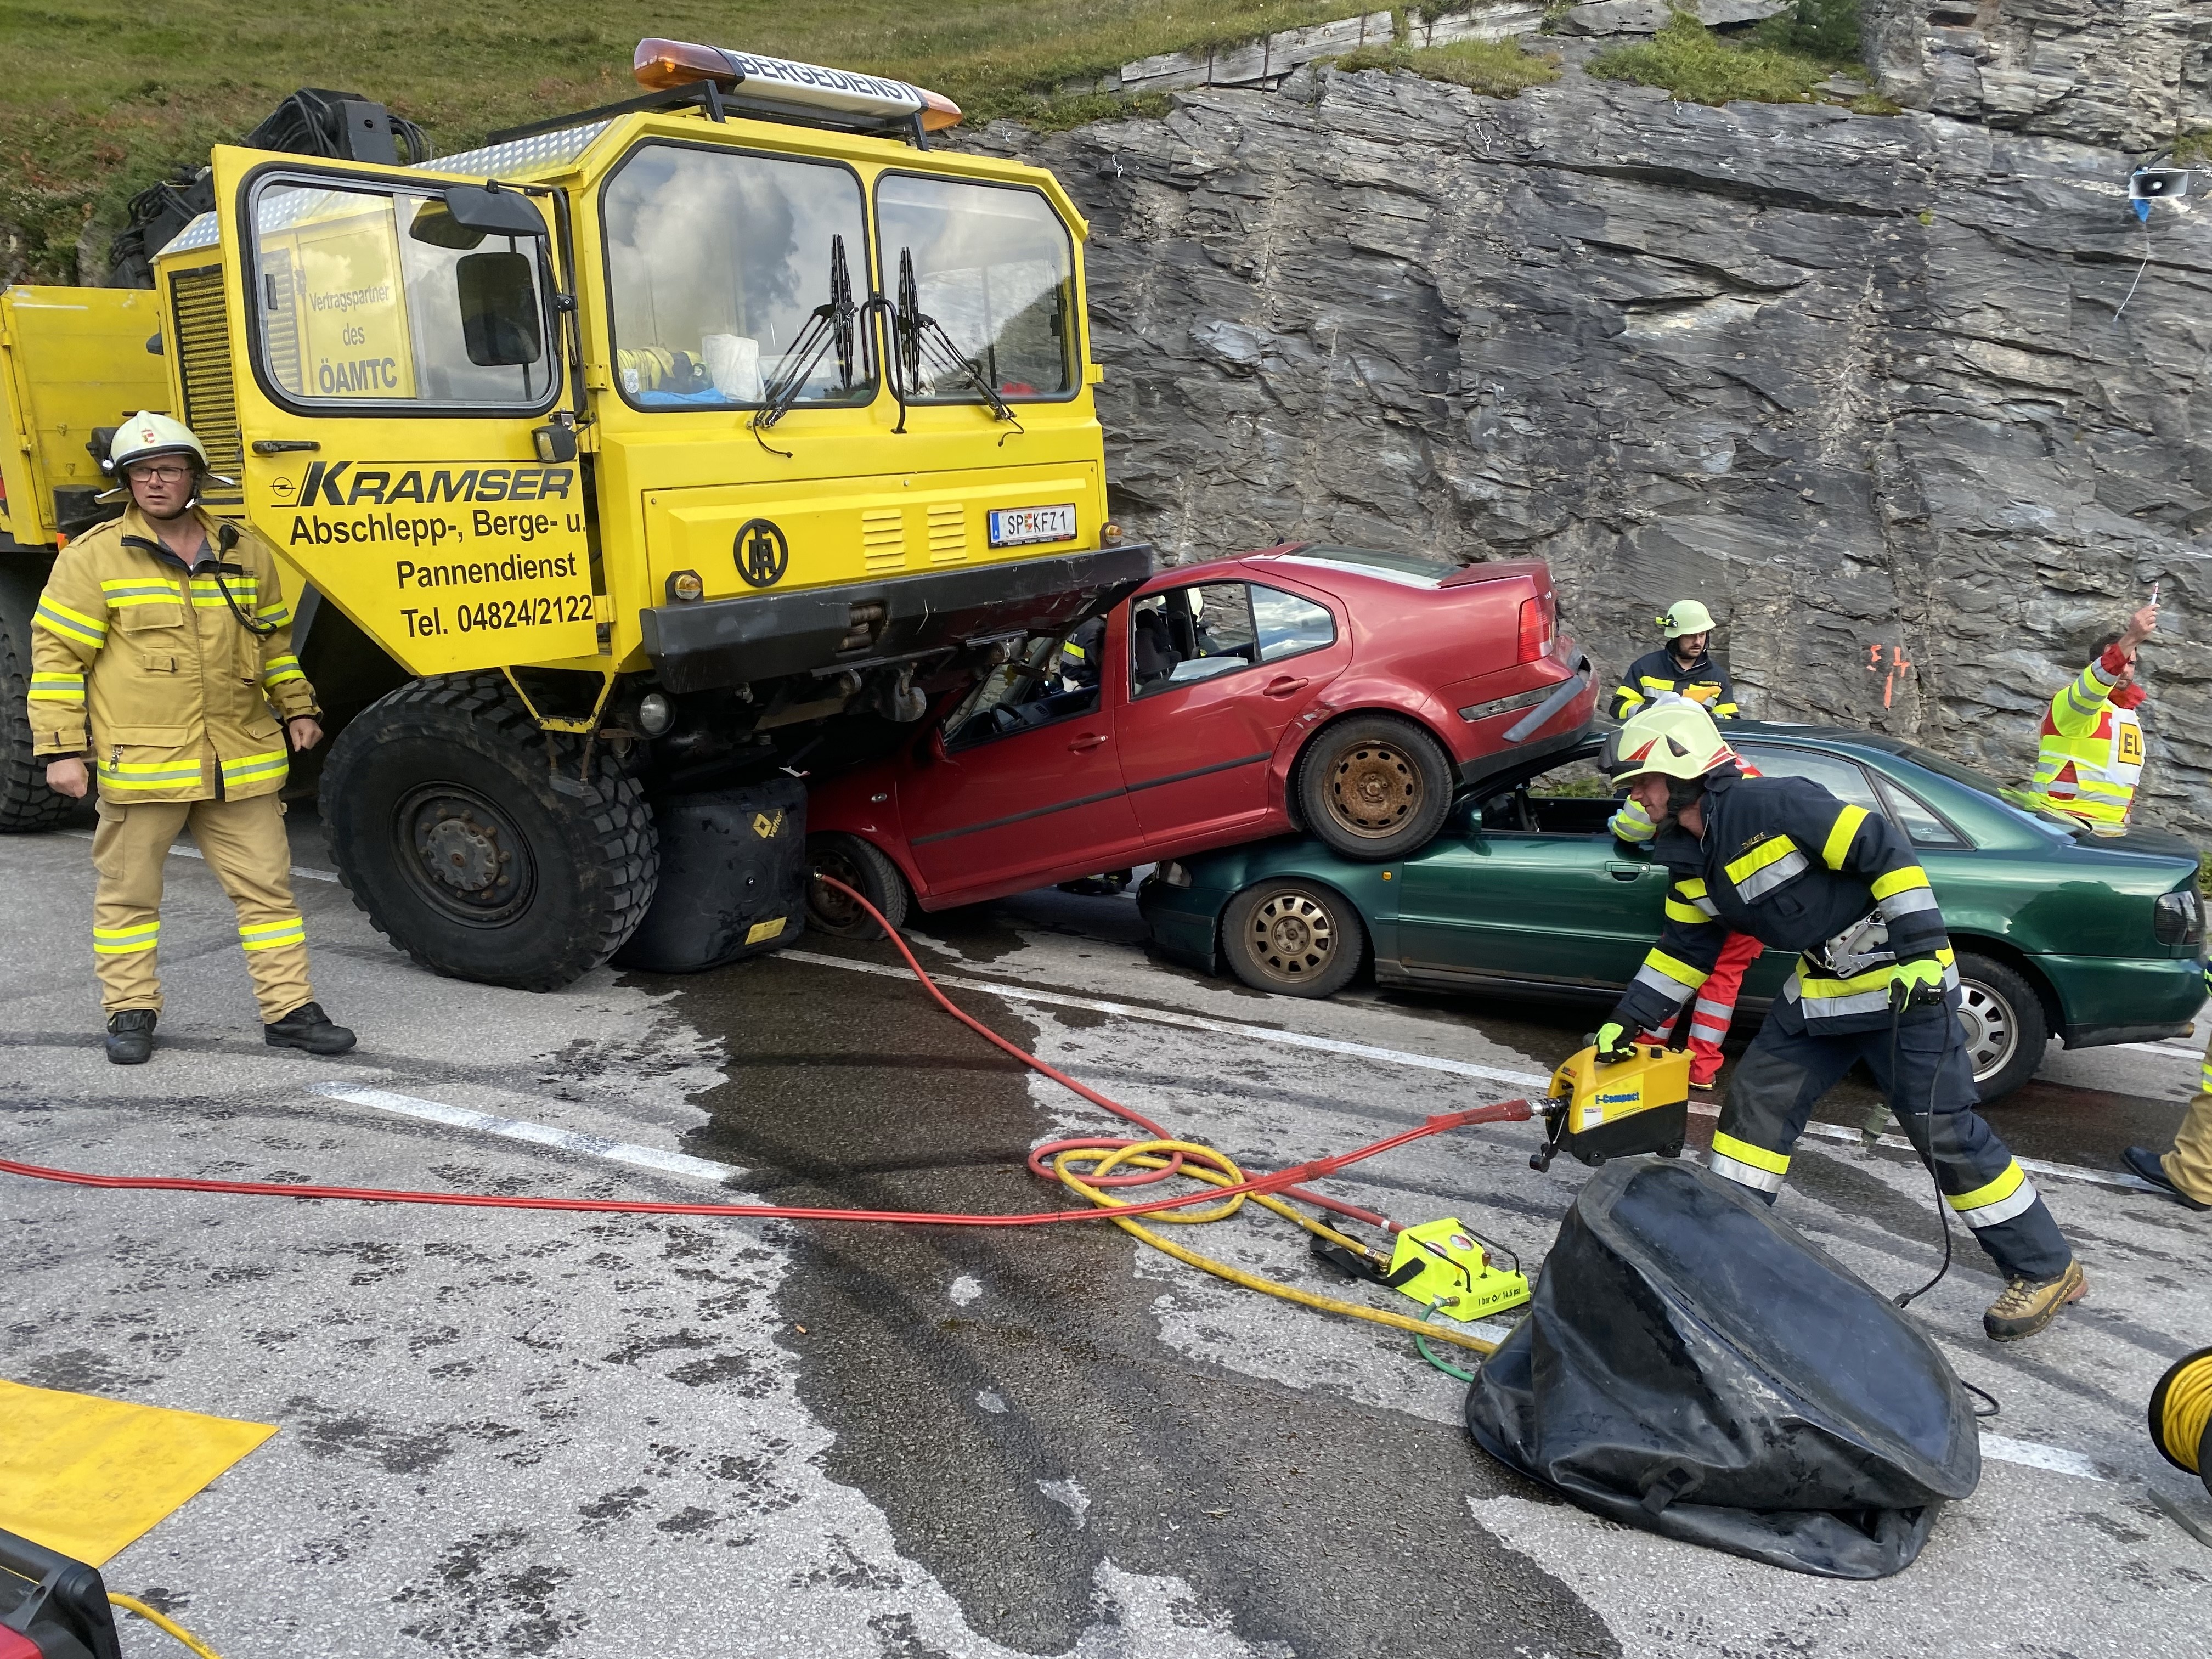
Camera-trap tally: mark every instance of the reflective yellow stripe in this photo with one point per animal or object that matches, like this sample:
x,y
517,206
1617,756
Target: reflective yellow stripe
x,y
1837,846
270,935
1767,852
1677,911
278,670
56,688
137,587
1691,887
1680,972
1996,1191
1899,881
71,624
248,766
1757,1157
124,941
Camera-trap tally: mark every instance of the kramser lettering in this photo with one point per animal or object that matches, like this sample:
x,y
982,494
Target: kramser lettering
x,y
411,574
327,485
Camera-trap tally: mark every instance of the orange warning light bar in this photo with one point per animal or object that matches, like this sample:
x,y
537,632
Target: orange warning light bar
x,y
662,66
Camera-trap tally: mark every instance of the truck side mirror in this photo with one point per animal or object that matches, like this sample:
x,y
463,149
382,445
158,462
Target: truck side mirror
x,y
492,212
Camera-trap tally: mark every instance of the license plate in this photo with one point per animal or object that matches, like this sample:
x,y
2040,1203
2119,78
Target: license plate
x,y
1016,526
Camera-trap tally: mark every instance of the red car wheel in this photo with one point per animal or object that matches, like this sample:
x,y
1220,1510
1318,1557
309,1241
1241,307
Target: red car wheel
x,y
862,868
1375,786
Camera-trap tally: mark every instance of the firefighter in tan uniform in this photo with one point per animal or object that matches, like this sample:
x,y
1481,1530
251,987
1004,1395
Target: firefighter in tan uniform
x,y
160,648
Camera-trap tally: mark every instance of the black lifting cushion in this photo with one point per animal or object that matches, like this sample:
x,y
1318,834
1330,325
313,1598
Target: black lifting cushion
x,y
1692,1365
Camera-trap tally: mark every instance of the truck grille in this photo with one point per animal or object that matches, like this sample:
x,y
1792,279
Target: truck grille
x,y
202,336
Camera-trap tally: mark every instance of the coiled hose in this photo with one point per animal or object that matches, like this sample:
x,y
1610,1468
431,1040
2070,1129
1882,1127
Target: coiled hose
x,y
2181,1415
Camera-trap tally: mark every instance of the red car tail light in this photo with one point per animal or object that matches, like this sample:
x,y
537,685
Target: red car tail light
x,y
1539,618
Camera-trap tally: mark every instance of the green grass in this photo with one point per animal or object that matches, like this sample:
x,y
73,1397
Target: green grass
x,y
1497,68
1697,66
109,96
2193,150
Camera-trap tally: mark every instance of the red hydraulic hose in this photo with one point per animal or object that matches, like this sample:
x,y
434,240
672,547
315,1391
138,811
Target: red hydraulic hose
x,y
1287,1182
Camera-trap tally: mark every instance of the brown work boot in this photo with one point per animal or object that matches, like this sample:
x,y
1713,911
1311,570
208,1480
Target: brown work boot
x,y
2028,1305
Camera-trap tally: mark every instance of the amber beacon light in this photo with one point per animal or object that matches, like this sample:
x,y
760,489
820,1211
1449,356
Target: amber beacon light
x,y
661,64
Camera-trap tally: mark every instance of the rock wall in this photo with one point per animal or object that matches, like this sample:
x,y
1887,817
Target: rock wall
x,y
1916,404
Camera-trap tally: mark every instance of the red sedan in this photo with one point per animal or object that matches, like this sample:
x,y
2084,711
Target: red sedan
x,y
1343,691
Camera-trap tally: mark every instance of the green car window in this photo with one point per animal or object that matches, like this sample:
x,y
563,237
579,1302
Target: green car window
x,y
1911,815
1843,779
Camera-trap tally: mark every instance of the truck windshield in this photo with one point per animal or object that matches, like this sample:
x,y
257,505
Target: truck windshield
x,y
377,296
717,259
994,266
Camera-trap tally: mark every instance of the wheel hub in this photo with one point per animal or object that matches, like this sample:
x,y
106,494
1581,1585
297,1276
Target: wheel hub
x,y
1374,788
464,854
1293,936
1988,1024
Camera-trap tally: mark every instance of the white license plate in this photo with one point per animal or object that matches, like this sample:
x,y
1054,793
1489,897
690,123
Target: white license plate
x,y
1014,526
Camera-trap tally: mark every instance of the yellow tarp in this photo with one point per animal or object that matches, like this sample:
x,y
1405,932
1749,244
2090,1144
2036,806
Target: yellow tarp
x,y
85,1476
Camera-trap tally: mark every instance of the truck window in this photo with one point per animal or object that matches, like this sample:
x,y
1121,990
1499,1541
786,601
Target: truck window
x,y
716,260
376,296
994,265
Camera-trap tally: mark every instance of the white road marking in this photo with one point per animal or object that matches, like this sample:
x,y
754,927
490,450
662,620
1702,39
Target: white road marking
x,y
2057,1458
179,850
1838,1132
516,1128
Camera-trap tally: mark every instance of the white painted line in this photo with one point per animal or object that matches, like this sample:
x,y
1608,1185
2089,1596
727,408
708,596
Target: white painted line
x,y
516,1128
2057,1458
179,850
2183,1049
1190,1022
1394,1056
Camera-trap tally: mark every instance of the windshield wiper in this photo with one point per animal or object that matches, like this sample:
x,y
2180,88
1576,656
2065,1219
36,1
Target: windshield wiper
x,y
923,342
831,322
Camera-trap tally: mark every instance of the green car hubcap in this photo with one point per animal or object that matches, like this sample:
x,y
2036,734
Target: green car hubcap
x,y
1991,1032
1292,936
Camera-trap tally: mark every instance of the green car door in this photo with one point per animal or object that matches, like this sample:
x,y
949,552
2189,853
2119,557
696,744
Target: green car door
x,y
1526,890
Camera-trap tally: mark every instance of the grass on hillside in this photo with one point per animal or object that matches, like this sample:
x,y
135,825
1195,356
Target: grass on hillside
x,y
110,96
2193,150
1697,66
1496,69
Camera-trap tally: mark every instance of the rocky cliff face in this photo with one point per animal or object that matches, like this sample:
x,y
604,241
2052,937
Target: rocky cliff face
x,y
1916,404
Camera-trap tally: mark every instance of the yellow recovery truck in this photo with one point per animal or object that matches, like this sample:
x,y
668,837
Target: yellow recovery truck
x,y
660,448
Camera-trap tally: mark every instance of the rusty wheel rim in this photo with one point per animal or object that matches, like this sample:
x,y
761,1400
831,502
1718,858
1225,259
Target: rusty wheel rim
x,y
1292,937
1373,789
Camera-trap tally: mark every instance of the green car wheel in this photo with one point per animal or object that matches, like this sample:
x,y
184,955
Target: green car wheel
x,y
2004,1023
1299,938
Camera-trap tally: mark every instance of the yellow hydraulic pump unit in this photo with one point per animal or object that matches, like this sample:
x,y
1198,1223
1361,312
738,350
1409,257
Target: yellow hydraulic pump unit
x,y
1597,1110
1442,1265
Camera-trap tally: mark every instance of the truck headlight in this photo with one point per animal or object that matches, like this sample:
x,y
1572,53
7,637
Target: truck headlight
x,y
655,714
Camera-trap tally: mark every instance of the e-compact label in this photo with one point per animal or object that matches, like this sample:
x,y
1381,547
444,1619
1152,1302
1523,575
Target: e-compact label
x,y
459,547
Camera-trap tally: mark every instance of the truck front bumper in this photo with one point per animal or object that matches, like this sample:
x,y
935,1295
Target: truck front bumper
x,y
717,642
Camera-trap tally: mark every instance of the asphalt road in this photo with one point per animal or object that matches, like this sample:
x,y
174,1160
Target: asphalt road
x,y
504,1432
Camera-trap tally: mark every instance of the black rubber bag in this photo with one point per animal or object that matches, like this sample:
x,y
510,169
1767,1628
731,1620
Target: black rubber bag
x,y
1691,1365
732,878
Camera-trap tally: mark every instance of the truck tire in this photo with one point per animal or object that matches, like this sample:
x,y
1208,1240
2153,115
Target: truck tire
x,y
2006,1030
1296,937
1375,786
25,803
470,852
865,869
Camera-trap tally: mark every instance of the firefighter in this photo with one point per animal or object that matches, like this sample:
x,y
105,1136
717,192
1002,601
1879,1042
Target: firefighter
x,y
1783,860
2090,757
2185,1174
159,648
1683,666
1714,1011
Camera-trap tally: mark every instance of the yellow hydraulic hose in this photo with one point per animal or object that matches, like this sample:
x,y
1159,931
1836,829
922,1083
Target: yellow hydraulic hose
x,y
2181,1414
1206,1164
163,1621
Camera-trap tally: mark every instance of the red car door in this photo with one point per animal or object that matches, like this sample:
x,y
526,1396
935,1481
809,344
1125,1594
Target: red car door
x,y
1216,672
1024,787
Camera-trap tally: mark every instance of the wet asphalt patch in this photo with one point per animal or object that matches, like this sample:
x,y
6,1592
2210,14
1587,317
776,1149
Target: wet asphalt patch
x,y
1017,1439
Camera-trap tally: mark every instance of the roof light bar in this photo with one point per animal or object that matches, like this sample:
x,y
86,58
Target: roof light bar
x,y
662,65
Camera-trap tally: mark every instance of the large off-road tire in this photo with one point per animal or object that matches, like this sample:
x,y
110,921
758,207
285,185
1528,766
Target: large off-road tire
x,y
1296,937
474,853
2007,1030
1374,786
25,803
868,871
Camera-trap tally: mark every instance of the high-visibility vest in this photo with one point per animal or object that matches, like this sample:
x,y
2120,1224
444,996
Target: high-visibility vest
x,y
2091,756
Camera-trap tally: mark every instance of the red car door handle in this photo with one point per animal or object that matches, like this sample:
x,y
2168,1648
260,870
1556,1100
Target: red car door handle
x,y
1282,686
1089,740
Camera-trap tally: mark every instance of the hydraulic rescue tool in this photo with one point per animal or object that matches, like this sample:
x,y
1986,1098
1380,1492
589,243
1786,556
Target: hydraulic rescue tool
x,y
1598,1109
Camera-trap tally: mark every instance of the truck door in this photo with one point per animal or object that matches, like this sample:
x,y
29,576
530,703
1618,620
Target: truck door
x,y
403,363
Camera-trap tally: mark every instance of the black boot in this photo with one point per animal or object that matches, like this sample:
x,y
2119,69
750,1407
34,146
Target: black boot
x,y
130,1035
309,1027
2146,1164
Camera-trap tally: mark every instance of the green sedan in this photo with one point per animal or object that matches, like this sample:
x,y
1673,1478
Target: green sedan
x,y
2058,933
